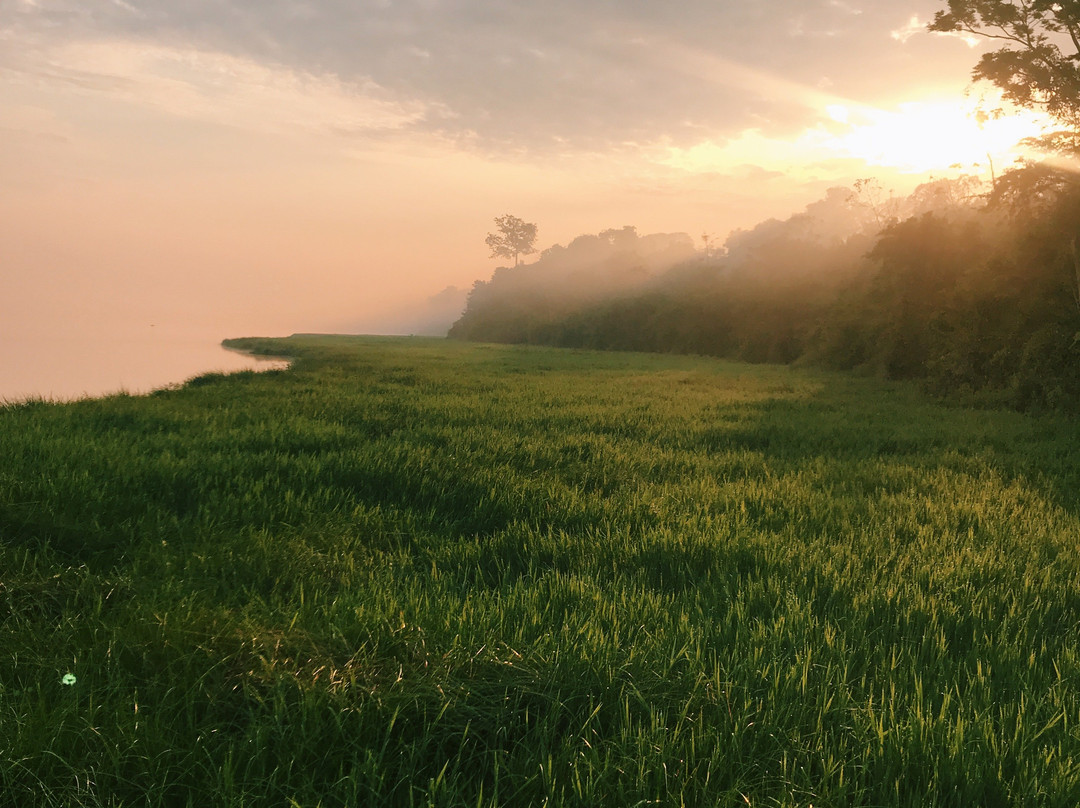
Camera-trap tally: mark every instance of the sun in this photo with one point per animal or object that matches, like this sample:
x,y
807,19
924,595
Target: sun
x,y
933,136
925,136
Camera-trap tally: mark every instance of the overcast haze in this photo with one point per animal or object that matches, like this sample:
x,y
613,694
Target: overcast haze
x,y
234,168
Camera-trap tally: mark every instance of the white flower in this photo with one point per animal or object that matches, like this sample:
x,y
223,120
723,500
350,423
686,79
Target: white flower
x,y
69,679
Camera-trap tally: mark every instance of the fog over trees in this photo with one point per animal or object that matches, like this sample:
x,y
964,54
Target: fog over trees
x,y
971,287
523,303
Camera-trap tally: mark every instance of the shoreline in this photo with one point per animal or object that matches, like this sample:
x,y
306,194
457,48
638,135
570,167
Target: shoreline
x,y
281,359
68,370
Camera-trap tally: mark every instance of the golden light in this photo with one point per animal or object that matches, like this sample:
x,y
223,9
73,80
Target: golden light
x,y
924,136
919,137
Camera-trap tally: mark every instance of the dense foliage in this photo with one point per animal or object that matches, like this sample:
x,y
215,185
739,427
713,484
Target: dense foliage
x,y
1037,62
520,301
417,573
974,291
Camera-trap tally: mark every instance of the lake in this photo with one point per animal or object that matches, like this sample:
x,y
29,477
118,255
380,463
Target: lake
x,y
70,367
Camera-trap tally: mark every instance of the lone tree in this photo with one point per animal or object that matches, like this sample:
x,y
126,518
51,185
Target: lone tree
x,y
516,237
1038,65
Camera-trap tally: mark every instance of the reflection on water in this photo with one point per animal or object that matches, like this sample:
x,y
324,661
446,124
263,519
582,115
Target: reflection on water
x,y
70,368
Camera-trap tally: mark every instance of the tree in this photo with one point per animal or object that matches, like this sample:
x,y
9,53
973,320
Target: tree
x,y
870,195
1038,65
516,237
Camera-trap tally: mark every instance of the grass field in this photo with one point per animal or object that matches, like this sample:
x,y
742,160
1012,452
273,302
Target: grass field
x,y
421,573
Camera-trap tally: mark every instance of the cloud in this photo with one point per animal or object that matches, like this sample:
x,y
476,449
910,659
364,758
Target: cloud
x,y
845,7
915,26
216,87
908,30
801,156
515,76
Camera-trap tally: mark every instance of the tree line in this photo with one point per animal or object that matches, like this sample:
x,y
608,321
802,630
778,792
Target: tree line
x,y
972,289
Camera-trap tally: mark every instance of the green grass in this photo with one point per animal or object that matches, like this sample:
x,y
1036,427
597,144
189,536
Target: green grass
x,y
420,573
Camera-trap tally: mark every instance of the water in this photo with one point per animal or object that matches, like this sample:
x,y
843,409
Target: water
x,y
67,367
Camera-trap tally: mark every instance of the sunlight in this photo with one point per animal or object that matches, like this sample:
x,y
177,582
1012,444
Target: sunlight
x,y
917,137
923,136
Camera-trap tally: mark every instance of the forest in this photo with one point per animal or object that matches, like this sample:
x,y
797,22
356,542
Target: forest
x,y
970,287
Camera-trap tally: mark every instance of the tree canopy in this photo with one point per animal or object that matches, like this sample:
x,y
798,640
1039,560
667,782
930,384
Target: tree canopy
x,y
972,291
515,238
1038,64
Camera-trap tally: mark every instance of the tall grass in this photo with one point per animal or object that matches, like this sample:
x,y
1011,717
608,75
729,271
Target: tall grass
x,y
413,573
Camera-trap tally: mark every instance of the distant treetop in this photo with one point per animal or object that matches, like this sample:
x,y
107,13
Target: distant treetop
x,y
515,238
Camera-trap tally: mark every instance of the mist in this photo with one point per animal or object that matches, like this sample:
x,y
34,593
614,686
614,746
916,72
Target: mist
x,y
968,287
215,172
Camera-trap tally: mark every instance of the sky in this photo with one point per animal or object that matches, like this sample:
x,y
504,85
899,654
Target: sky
x,y
239,167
